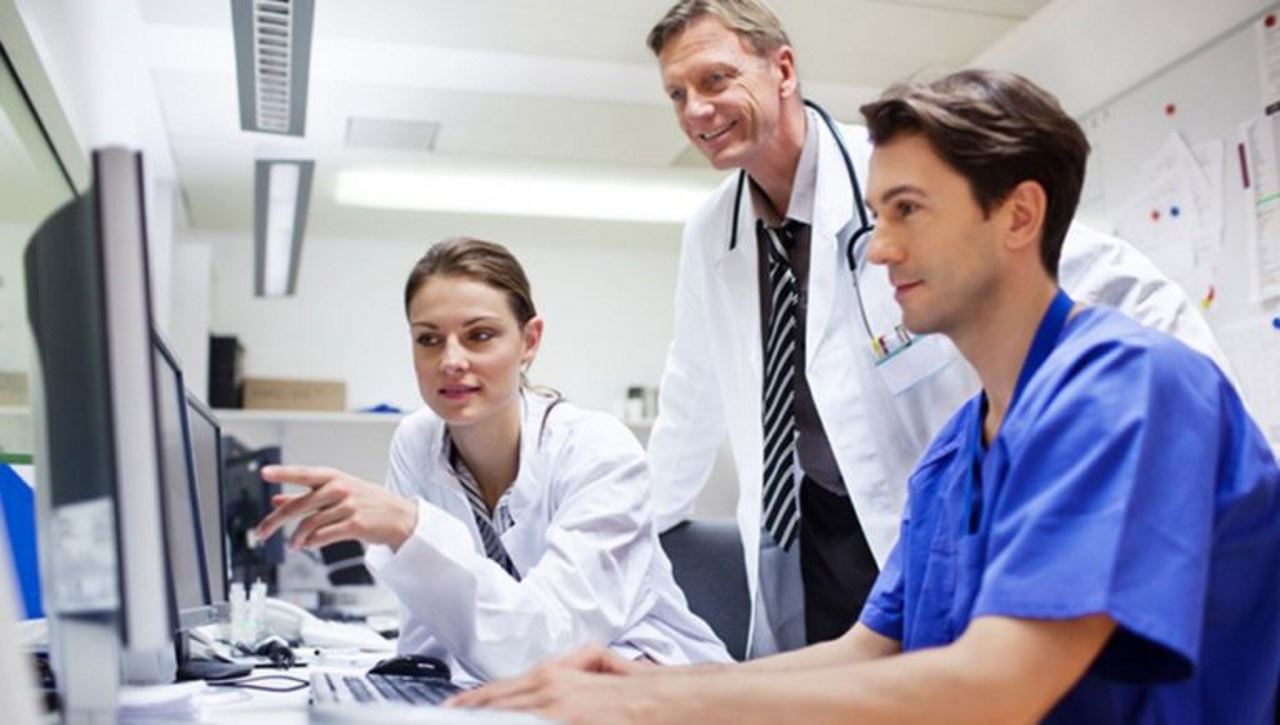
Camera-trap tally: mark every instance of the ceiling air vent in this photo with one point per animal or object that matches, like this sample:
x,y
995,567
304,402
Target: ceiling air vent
x,y
273,55
392,134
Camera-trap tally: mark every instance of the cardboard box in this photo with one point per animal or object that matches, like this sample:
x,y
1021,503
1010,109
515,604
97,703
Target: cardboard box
x,y
13,388
279,394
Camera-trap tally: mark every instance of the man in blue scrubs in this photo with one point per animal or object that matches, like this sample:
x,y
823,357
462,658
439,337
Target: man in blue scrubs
x,y
1094,538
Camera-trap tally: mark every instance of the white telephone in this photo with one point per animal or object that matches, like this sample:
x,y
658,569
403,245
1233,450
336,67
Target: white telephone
x,y
293,622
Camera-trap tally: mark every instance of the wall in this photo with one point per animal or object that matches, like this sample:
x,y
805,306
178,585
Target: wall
x,y
17,352
1089,52
90,54
607,306
1211,91
191,277
607,300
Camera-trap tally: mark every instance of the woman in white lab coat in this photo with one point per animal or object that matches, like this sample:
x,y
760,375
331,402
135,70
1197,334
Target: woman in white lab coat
x,y
513,526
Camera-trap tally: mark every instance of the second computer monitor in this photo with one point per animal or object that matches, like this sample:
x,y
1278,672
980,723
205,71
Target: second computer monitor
x,y
181,514
206,445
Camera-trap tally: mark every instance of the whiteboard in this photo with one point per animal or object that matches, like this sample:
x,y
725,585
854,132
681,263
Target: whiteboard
x,y
1205,96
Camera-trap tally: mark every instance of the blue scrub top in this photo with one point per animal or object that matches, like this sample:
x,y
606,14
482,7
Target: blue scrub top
x,y
1128,480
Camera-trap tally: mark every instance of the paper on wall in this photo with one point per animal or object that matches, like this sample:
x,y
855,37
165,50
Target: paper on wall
x,y
1148,222
1262,204
1267,34
1253,347
1202,169
1173,214
1209,157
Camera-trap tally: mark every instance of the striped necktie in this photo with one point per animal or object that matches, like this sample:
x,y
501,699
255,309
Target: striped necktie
x,y
781,507
489,535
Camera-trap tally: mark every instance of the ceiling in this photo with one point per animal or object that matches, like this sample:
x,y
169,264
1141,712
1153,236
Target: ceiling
x,y
33,184
561,86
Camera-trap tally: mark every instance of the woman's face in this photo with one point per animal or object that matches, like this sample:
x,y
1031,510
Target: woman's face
x,y
468,348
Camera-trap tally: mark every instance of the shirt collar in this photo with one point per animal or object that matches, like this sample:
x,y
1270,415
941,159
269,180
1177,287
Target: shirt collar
x,y
803,187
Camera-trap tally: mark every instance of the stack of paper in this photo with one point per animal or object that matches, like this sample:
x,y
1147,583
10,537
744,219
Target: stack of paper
x,y
164,703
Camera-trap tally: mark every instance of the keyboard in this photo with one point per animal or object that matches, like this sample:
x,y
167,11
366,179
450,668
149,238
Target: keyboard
x,y
337,688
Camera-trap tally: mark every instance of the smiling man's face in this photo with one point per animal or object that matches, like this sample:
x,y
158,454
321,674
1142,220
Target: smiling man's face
x,y
727,98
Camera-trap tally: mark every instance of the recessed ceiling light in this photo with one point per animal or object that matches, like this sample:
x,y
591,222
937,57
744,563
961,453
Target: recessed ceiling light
x,y
524,193
282,191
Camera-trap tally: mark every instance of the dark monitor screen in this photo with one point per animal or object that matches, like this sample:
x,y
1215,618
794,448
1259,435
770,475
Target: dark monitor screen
x,y
181,521
246,499
206,444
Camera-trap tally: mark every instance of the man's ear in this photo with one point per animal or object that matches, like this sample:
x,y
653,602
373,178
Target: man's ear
x,y
784,60
1022,215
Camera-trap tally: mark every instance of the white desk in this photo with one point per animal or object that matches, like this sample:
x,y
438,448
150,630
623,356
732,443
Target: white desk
x,y
233,706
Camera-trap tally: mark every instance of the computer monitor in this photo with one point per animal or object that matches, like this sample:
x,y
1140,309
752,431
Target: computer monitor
x,y
182,524
206,444
98,459
247,499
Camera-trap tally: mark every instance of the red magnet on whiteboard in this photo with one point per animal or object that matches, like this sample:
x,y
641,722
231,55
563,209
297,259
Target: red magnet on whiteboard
x,y
1270,22
1155,215
1207,301
1170,109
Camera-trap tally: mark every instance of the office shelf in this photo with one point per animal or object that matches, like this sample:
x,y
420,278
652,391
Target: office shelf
x,y
234,415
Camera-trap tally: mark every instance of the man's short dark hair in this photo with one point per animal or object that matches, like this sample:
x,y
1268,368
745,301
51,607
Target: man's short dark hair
x,y
997,130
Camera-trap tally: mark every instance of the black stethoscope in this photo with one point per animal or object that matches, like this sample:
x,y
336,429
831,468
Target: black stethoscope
x,y
884,346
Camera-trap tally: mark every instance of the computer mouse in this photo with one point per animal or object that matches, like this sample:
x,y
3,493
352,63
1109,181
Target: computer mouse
x,y
412,666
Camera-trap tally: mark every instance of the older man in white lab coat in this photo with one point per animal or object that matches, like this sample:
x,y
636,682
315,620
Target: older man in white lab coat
x,y
789,344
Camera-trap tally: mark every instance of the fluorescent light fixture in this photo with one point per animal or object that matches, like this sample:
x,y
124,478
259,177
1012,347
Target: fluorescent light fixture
x,y
524,194
282,192
273,58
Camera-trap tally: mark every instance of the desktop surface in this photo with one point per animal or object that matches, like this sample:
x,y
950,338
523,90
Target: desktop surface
x,y
244,707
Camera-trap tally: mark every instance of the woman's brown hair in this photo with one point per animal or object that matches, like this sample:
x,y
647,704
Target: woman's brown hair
x,y
475,259
488,263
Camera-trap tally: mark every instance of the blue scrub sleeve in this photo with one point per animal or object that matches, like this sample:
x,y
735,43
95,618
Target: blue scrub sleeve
x,y
1108,504
883,611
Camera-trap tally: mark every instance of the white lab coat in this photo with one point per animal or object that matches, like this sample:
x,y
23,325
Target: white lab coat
x,y
712,381
583,540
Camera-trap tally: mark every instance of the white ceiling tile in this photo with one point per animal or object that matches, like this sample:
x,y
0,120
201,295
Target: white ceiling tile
x,y
552,82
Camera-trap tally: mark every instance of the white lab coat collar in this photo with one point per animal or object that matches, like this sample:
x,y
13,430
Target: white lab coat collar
x,y
526,488
832,221
800,207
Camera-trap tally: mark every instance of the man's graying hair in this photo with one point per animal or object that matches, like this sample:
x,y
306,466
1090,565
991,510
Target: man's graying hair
x,y
751,20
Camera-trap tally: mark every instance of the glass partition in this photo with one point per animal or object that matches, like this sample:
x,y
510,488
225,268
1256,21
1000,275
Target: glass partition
x,y
32,184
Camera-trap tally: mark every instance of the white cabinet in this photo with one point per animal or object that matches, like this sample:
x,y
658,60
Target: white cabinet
x,y
16,437
357,443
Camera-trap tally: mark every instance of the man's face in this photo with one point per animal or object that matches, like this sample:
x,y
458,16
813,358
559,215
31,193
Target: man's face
x,y
726,97
941,250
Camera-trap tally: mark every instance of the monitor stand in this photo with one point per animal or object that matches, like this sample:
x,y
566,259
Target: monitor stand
x,y
194,669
